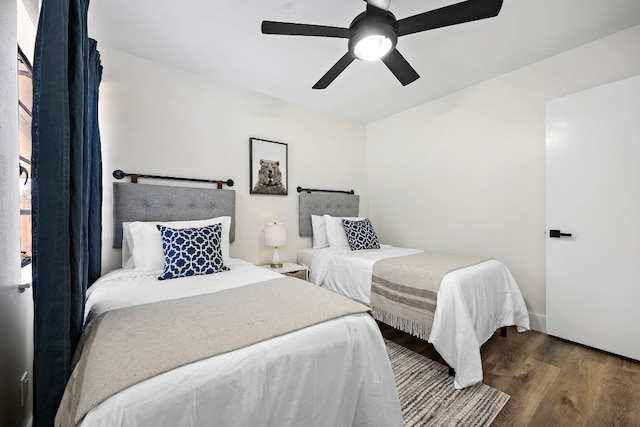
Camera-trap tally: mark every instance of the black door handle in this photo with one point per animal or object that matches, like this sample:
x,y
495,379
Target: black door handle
x,y
558,234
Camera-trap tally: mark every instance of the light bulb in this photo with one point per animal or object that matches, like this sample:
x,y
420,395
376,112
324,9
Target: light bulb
x,y
372,47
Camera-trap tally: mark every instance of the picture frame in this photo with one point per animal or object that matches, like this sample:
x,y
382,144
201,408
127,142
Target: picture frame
x,y
268,167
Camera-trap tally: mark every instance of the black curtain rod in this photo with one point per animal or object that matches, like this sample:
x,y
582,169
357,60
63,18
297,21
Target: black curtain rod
x,y
309,190
118,174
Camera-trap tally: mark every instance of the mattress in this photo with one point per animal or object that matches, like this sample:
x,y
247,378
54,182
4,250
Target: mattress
x,y
333,373
472,302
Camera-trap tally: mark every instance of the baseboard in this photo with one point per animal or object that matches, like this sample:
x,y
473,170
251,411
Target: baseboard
x,y
538,322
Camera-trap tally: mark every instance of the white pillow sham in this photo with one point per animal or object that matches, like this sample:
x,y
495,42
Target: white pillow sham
x,y
336,236
319,232
147,241
127,246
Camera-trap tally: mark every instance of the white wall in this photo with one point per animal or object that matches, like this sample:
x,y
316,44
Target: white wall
x,y
467,171
164,121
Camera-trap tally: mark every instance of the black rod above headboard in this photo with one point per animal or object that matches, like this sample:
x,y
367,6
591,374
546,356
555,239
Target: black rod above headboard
x,y
118,174
310,190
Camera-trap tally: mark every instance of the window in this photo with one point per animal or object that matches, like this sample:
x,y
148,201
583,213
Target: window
x,y
25,99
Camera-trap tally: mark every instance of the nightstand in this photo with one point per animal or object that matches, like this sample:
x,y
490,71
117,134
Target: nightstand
x,y
290,269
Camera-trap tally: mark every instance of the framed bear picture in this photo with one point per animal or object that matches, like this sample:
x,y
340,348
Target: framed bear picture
x,y
268,168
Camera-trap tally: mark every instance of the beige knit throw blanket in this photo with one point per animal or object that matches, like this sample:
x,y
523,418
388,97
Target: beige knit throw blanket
x,y
404,289
129,345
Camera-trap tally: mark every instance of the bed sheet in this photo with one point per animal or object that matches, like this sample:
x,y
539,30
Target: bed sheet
x,y
473,302
127,287
332,373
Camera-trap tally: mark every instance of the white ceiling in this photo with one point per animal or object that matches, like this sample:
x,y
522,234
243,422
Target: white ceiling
x,y
222,39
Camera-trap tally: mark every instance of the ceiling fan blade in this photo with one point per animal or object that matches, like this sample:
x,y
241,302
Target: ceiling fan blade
x,y
291,29
400,68
334,71
466,11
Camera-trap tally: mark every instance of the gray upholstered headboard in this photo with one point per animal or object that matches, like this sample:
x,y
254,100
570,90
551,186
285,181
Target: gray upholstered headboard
x,y
334,204
144,202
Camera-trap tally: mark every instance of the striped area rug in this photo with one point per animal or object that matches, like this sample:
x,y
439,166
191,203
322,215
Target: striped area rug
x,y
428,398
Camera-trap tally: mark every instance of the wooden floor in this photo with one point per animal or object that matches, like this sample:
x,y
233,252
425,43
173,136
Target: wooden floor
x,y
552,382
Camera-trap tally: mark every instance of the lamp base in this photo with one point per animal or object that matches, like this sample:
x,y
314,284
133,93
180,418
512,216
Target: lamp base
x,y
275,259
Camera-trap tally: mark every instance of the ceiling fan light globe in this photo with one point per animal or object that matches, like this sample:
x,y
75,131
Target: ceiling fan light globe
x,y
373,47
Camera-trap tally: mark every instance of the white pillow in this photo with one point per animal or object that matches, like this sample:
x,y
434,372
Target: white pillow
x,y
335,231
127,246
319,232
147,241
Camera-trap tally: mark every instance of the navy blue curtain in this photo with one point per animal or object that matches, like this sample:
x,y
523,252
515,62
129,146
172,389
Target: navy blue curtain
x,y
94,237
66,193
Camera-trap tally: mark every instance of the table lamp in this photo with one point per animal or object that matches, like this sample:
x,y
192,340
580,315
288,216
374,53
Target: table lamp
x,y
275,234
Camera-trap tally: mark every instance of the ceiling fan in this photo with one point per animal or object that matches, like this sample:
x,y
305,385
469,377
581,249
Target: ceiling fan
x,y
374,33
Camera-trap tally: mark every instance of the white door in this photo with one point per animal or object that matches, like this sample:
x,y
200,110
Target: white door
x,y
593,194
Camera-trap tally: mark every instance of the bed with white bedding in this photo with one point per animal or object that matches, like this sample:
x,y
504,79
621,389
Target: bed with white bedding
x,y
472,302
333,371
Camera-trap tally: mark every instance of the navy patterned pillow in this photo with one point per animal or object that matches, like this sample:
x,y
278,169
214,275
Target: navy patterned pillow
x,y
360,234
191,251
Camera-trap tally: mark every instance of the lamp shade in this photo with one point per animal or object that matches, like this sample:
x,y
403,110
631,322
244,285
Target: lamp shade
x,y
275,234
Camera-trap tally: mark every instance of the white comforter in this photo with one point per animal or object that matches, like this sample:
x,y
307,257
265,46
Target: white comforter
x,y
336,373
472,302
